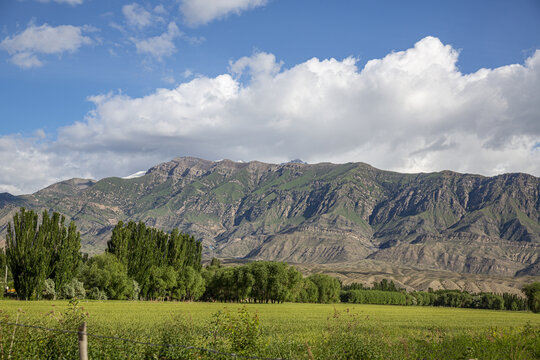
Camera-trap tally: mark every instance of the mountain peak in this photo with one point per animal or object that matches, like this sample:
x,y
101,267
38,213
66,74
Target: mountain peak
x,y
295,161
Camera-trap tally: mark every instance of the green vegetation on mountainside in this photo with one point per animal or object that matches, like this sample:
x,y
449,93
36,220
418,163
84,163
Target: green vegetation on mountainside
x,y
321,213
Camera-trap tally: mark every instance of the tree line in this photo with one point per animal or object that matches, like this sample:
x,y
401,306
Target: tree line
x,y
386,292
446,298
144,263
44,261
267,282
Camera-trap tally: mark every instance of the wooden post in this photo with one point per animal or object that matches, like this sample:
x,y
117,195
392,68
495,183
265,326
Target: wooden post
x,y
83,343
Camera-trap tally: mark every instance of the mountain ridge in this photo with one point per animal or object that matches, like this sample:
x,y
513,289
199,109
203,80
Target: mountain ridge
x,y
315,213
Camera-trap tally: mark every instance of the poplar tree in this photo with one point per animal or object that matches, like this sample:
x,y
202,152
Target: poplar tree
x,y
27,254
119,242
65,246
36,252
151,255
3,272
532,291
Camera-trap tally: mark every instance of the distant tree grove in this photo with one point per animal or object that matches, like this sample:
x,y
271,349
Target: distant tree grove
x,y
44,261
267,282
447,298
387,293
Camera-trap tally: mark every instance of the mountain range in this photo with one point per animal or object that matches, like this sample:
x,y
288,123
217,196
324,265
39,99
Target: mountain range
x,y
315,213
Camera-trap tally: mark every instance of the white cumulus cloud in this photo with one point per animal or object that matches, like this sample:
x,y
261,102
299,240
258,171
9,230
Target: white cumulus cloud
x,y
410,111
25,47
159,46
200,12
26,60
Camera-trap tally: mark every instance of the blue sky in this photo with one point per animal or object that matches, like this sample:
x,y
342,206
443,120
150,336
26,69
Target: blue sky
x,y
83,77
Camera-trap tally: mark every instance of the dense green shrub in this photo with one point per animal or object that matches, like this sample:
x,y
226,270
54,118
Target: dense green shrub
x,y
73,290
97,294
240,329
109,275
49,291
136,290
32,343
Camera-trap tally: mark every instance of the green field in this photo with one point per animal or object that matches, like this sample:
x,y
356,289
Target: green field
x,y
332,331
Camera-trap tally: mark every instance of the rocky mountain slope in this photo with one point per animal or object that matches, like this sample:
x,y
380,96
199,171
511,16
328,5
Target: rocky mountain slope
x,y
316,214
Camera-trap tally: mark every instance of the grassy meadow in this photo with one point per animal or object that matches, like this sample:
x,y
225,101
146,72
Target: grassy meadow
x,y
339,331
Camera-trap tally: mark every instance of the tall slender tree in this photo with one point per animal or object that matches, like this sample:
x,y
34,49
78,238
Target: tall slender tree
x,y
119,242
65,246
27,254
3,272
532,291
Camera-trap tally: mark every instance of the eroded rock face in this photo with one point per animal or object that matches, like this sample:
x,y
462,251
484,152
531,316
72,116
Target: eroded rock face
x,y
320,213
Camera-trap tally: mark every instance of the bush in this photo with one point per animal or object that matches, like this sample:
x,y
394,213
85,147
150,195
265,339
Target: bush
x,y
73,290
64,346
96,294
49,292
240,330
135,292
